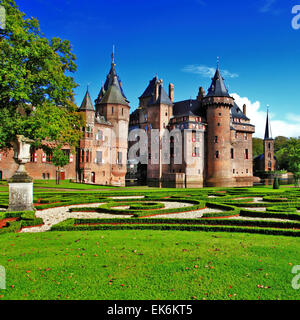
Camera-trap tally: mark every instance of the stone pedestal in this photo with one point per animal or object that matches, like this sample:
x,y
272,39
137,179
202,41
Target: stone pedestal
x,y
21,184
20,196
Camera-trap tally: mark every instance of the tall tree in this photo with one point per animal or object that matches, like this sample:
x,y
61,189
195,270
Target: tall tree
x,y
292,151
257,146
36,86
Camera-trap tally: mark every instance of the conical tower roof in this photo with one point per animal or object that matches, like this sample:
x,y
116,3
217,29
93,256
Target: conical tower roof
x,y
109,81
218,88
87,104
114,94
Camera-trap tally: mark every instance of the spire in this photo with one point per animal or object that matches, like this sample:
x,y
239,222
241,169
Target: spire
x,y
87,104
113,56
268,133
109,80
218,88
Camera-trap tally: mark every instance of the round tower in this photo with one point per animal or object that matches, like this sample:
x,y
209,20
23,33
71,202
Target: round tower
x,y
218,104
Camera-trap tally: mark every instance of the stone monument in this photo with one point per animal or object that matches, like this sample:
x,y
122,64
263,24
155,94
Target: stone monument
x,y
21,184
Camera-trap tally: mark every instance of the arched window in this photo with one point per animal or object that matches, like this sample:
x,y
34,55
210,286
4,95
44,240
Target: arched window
x,y
93,177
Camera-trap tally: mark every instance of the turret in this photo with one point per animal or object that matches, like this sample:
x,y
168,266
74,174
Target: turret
x,y
114,107
218,104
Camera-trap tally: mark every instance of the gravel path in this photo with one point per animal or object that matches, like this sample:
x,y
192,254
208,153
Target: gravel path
x,y
255,208
56,215
187,215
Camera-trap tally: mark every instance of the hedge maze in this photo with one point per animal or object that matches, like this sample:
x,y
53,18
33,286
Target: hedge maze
x,y
251,210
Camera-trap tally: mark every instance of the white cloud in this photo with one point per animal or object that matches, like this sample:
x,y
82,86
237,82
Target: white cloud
x,y
288,127
207,72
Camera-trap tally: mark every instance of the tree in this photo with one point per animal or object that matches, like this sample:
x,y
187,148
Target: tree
x,y
36,89
257,146
292,151
59,159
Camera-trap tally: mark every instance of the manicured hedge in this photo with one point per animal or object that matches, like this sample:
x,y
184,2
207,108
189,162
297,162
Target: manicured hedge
x,y
68,225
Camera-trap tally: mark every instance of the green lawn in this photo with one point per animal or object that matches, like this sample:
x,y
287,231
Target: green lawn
x,y
140,264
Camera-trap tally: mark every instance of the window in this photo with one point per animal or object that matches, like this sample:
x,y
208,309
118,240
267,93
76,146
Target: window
x,y
233,171
87,156
193,135
232,153
82,155
247,171
44,176
48,176
219,124
270,165
216,139
48,156
197,151
100,135
112,110
217,154
220,114
245,136
32,154
93,177
122,111
119,160
99,157
269,146
246,154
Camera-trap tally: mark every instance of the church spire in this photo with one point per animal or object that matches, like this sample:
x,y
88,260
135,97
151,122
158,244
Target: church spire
x,y
268,134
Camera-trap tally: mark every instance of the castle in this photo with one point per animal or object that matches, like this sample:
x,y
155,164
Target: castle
x,y
209,139
215,134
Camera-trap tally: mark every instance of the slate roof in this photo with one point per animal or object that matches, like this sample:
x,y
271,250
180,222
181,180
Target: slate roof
x,y
188,107
109,81
87,104
114,94
163,98
150,89
217,88
236,112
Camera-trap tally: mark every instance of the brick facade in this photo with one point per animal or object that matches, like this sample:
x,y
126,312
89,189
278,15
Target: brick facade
x,y
216,136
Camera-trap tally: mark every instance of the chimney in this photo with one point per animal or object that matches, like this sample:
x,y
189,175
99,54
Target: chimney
x,y
171,92
245,110
201,94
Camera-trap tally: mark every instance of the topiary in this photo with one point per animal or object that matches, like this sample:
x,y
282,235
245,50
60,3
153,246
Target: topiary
x,y
276,183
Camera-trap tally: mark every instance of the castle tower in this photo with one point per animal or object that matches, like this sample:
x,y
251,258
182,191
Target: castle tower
x,y
156,109
218,104
114,107
269,159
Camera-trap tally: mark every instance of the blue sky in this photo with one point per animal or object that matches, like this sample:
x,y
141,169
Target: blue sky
x,y
180,40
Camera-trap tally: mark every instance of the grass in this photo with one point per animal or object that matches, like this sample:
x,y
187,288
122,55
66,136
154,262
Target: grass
x,y
116,264
124,265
